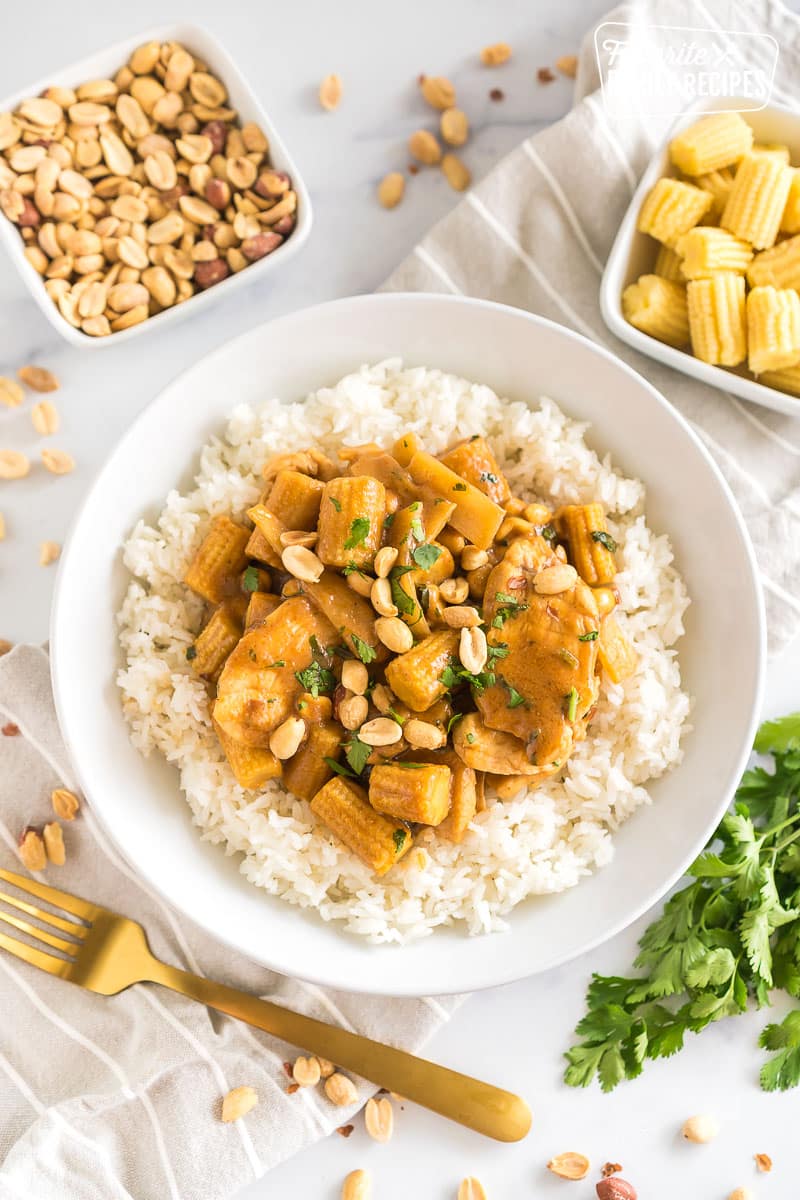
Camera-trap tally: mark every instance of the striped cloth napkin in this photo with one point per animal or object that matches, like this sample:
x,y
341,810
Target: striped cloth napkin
x,y
535,233
119,1098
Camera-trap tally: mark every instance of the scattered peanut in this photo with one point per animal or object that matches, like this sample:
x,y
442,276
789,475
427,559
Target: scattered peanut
x,y
13,464
701,1128
379,1119
424,147
5,646
381,731
614,1188
390,189
11,394
438,91
384,561
65,804
471,1189
568,65
53,838
2,527
763,1162
340,1090
330,92
299,537
456,173
352,711
569,1165
454,591
495,55
44,418
306,1072
461,616
31,850
285,741
48,553
39,379
394,634
472,558
551,581
454,126
302,563
742,1193
326,1068
381,597
473,650
355,676
423,734
58,462
238,1102
357,1186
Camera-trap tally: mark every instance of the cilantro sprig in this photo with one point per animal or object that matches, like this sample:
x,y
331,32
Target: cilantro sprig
x,y
729,937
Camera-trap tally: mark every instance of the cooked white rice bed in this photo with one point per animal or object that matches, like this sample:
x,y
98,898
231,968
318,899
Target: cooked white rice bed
x,y
543,841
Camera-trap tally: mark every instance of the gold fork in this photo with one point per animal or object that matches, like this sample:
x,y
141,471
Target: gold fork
x,y
107,953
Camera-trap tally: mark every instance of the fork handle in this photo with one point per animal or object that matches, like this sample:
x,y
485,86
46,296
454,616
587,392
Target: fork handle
x,y
480,1106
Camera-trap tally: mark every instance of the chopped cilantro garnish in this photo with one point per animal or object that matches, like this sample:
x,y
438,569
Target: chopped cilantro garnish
x,y
459,487
191,652
567,656
339,768
591,636
470,738
548,532
357,753
426,555
499,650
352,568
316,679
363,649
400,597
572,703
336,503
359,528
399,837
605,539
510,608
388,520
250,579
515,698
313,642
454,674
273,666
390,712
302,704
488,477
455,717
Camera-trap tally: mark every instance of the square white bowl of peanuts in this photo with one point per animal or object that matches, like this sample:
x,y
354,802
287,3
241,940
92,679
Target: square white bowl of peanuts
x,y
145,176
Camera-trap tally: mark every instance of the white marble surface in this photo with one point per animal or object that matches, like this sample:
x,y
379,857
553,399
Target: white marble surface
x,y
514,1035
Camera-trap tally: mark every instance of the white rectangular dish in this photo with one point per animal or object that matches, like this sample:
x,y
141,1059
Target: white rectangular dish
x,y
105,64
632,255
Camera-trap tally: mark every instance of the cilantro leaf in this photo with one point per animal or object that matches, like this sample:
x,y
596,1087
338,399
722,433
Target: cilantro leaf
x,y
357,753
316,679
359,529
605,539
779,736
337,504
363,649
250,579
426,555
339,768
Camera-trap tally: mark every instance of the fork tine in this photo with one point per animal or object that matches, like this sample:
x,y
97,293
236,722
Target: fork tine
x,y
70,903
49,938
37,958
78,931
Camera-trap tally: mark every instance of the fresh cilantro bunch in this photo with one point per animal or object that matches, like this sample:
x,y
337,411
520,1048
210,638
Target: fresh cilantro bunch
x,y
729,937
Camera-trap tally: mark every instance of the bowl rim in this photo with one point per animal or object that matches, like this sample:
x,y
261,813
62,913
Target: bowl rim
x,y
514,969
226,67
611,282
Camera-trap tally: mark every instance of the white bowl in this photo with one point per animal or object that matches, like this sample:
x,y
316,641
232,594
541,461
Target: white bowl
x,y
521,357
105,64
633,253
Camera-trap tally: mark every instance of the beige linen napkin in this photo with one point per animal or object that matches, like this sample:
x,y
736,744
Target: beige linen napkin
x,y
536,232
110,1098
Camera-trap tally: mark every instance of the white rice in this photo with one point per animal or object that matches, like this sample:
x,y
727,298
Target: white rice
x,y
543,841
